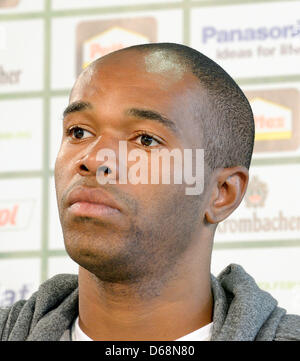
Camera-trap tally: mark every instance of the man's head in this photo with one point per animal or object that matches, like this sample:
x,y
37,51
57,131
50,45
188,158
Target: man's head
x,y
163,96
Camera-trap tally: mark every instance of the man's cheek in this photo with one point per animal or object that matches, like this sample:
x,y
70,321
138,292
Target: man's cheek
x,y
63,161
60,176
58,162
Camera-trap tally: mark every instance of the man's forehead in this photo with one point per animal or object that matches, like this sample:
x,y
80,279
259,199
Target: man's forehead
x,y
165,63
143,63
162,69
156,79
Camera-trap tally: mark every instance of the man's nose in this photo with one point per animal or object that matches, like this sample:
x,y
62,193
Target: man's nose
x,y
92,161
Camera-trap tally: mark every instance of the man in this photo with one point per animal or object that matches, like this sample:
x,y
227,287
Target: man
x,y
144,249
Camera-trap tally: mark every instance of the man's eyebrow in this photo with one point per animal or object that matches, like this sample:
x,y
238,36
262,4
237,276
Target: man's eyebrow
x,y
76,107
153,115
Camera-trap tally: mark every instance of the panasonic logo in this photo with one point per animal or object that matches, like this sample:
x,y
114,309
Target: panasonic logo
x,y
211,33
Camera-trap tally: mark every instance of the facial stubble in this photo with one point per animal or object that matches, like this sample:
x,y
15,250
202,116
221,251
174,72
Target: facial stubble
x,y
145,254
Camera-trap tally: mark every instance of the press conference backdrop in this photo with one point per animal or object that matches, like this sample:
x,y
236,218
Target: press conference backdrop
x,y
45,44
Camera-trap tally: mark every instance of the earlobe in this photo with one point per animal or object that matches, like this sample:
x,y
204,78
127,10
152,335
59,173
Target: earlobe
x,y
228,189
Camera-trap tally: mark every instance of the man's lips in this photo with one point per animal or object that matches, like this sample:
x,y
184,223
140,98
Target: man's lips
x,y
91,202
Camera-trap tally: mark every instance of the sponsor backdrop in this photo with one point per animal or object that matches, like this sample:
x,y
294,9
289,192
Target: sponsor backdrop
x,y
45,44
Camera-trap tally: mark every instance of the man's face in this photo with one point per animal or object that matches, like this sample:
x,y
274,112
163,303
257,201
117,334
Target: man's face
x,y
154,223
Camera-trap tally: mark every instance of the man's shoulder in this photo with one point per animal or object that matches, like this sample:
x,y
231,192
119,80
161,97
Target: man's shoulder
x,y
288,328
52,291
11,311
55,300
242,299
62,280
54,288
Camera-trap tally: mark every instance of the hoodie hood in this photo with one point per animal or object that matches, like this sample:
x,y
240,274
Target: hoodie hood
x,y
242,311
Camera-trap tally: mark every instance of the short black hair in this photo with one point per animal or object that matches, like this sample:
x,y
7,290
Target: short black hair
x,y
228,123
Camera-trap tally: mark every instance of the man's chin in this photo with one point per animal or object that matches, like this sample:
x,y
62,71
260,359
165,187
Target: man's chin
x,y
107,271
107,259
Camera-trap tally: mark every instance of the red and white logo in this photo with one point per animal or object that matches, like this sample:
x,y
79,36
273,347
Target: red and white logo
x,y
97,38
112,39
8,3
272,121
15,214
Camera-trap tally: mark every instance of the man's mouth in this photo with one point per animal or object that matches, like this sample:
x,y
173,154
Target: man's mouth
x,y
86,209
91,202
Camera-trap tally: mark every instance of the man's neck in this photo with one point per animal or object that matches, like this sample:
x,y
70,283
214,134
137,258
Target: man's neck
x,y
116,312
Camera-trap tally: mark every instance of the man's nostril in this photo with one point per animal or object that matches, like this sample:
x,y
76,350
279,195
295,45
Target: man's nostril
x,y
83,167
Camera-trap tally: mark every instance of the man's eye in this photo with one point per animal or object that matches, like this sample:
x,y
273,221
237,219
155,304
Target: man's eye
x,y
147,140
78,133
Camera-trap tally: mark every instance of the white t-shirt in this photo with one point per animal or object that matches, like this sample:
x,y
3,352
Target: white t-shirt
x,y
202,334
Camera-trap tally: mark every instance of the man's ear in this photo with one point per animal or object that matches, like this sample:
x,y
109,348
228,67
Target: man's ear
x,y
228,189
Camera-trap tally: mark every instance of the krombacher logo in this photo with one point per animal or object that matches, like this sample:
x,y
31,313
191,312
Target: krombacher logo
x,y
256,193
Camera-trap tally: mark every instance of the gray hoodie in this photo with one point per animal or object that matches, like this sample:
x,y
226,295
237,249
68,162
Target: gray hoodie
x,y
242,311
